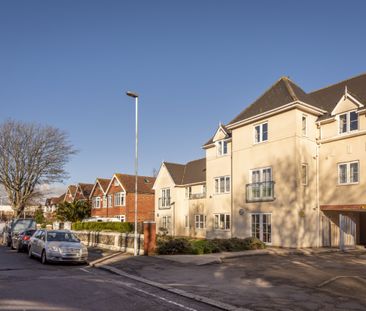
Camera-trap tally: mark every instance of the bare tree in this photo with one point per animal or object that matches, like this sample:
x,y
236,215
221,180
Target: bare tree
x,y
31,155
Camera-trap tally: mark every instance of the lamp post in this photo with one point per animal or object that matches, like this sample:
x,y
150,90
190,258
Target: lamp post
x,y
136,97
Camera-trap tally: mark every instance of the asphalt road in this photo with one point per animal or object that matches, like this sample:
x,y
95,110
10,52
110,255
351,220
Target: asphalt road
x,y
26,284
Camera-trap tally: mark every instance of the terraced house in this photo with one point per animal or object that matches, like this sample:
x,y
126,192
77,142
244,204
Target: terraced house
x,y
115,197
289,169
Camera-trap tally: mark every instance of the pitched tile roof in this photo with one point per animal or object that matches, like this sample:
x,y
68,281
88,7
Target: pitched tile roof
x,y
104,183
144,183
86,189
72,189
55,200
284,91
189,173
328,97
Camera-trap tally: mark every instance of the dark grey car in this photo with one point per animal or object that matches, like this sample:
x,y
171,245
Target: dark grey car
x,y
20,242
57,246
17,226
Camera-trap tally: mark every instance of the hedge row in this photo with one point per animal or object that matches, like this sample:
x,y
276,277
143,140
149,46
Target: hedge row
x,y
172,246
123,227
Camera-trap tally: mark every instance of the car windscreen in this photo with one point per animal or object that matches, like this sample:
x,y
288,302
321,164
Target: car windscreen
x,y
29,232
53,236
23,224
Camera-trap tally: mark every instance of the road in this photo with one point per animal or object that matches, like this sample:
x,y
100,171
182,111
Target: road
x,y
26,284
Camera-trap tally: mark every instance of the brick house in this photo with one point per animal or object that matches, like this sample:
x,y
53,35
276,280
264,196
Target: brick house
x,y
118,200
98,198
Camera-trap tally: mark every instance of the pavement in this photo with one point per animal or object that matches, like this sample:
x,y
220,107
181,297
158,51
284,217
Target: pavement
x,y
270,279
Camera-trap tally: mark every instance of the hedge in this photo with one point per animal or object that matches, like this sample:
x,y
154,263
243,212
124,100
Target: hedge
x,y
123,227
172,246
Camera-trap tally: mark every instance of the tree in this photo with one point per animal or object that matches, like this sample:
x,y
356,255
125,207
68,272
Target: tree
x,y
75,211
38,216
31,155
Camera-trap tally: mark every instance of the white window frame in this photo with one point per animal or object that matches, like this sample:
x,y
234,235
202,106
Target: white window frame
x,y
261,170
166,222
261,227
104,201
221,148
109,200
120,199
306,176
348,122
222,224
96,202
165,197
122,218
304,130
223,182
200,221
186,221
348,173
260,139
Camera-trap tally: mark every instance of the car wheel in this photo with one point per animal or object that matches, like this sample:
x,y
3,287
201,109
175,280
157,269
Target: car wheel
x,y
44,258
30,255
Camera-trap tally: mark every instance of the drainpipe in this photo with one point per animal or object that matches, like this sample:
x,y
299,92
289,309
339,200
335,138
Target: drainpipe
x,y
232,190
317,192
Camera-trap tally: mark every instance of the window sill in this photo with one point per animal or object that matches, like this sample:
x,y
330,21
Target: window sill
x,y
349,184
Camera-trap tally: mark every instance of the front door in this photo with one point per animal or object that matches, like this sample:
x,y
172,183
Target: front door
x,y
262,227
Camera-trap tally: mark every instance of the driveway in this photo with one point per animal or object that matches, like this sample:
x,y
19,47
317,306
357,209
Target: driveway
x,y
332,281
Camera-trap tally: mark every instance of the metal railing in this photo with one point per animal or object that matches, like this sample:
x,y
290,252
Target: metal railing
x,y
194,196
260,191
164,203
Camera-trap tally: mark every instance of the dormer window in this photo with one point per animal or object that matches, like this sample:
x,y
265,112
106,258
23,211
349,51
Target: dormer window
x,y
348,122
222,147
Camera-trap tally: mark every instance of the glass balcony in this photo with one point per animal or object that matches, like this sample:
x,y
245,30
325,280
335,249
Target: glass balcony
x,y
260,191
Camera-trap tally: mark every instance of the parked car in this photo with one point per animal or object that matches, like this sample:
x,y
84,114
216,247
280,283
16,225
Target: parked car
x,y
16,226
20,242
57,246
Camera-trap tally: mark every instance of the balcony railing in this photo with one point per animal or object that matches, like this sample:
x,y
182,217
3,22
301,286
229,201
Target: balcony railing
x,y
164,203
195,196
260,191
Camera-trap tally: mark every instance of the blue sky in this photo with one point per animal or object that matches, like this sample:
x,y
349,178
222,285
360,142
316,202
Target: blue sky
x,y
194,64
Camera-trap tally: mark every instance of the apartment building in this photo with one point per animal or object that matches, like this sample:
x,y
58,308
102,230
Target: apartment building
x,y
180,198
115,197
287,169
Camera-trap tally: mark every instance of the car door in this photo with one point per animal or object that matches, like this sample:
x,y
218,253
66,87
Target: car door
x,y
36,244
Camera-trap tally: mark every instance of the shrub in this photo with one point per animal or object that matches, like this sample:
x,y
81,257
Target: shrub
x,y
123,227
171,246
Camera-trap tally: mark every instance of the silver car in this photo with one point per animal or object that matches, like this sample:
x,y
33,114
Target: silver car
x,y
57,246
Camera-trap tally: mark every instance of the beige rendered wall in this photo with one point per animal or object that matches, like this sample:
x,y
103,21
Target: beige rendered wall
x,y
217,166
345,148
293,214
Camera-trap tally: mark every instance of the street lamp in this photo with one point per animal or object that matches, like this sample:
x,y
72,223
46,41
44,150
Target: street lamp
x,y
136,97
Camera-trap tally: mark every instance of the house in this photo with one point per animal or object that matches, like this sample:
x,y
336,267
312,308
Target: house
x,y
287,169
180,198
82,192
98,198
70,193
51,205
117,200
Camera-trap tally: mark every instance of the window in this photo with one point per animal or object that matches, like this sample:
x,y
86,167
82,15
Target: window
x,y
165,197
104,201
304,125
96,202
222,222
262,227
222,147
261,186
222,184
200,221
304,174
188,192
165,222
261,133
119,199
348,173
109,201
122,218
348,122
186,221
